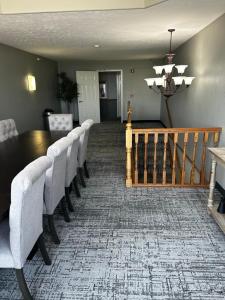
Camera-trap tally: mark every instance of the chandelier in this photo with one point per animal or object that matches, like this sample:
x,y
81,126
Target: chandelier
x,y
169,83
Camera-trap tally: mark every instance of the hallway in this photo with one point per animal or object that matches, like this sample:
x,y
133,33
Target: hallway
x,y
128,244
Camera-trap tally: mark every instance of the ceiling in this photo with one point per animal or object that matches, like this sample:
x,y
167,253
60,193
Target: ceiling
x,y
121,34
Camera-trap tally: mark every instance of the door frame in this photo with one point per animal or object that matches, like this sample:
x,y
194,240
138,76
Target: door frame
x,y
121,85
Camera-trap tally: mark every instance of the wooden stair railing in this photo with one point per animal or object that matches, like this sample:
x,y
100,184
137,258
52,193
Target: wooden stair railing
x,y
149,154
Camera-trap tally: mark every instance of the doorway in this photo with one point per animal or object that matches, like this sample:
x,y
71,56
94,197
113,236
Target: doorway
x,y
110,95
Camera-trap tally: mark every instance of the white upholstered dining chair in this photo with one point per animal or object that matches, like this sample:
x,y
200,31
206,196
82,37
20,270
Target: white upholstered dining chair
x,y
55,183
82,153
7,129
72,163
60,122
23,228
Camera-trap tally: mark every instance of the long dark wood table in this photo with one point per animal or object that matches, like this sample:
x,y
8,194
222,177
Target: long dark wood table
x,y
16,153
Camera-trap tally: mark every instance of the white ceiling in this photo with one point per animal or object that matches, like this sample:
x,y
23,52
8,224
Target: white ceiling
x,y
122,34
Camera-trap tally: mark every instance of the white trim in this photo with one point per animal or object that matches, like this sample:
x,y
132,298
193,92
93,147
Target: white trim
x,y
121,100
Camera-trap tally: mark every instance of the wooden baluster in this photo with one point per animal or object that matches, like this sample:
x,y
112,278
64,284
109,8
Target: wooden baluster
x,y
128,155
155,158
192,176
164,157
175,140
170,138
216,139
136,159
183,171
202,173
145,159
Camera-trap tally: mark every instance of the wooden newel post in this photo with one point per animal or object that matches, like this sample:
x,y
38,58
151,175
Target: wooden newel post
x,y
128,149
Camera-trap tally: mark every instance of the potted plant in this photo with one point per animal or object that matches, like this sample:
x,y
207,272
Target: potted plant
x,y
67,90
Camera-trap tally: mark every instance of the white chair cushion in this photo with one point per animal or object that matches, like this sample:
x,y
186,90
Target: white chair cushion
x,y
26,209
55,176
72,155
78,131
7,129
84,142
19,234
88,122
60,122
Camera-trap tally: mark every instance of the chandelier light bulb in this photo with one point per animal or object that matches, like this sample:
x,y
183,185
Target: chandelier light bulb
x,y
158,69
150,81
181,68
168,68
159,81
188,80
178,80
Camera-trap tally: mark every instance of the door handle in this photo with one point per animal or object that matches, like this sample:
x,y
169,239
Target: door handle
x,y
81,101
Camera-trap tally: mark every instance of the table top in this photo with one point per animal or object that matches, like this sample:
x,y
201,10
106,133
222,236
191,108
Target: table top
x,y
19,151
219,154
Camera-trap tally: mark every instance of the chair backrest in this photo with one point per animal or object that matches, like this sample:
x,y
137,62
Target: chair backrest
x,y
84,141
72,155
26,209
7,129
55,176
60,122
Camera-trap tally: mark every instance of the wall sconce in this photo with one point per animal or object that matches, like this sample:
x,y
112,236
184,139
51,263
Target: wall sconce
x,y
31,83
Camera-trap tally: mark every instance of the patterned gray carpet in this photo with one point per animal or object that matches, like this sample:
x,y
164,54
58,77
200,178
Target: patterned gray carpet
x,y
128,244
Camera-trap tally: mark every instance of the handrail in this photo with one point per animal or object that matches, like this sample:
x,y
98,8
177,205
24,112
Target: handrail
x,y
175,130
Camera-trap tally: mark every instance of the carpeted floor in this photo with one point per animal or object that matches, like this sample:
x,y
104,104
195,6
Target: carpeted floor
x,y
128,244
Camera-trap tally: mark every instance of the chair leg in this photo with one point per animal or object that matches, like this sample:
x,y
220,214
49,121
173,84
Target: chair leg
x,y
64,209
81,177
33,252
44,253
52,229
68,200
23,285
76,188
86,170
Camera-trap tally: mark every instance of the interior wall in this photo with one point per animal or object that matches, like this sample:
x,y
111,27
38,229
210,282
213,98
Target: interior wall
x,y
15,100
203,103
145,103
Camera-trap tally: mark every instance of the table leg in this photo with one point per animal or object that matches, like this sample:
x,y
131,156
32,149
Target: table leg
x,y
212,183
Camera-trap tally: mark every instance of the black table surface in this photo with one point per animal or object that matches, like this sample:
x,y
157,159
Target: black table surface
x,y
16,153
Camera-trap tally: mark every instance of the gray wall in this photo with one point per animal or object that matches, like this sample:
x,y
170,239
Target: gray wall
x,y
203,103
146,104
15,100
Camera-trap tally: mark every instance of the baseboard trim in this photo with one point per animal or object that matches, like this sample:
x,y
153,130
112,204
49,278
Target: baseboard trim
x,y
163,125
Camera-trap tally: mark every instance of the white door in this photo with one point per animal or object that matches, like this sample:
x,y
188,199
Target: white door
x,y
88,100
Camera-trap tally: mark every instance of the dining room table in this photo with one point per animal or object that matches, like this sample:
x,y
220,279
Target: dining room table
x,y
16,153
